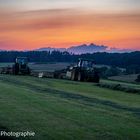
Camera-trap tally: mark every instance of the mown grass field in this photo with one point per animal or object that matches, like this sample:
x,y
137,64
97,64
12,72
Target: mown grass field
x,y
43,66
125,78
50,67
122,83
5,64
66,110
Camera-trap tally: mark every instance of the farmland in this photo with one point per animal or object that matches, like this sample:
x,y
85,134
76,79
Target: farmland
x,y
42,66
48,66
62,109
125,78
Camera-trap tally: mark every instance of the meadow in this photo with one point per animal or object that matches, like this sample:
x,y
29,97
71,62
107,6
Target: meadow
x,y
125,78
66,110
49,67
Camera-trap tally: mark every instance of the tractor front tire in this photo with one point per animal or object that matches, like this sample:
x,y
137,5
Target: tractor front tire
x,y
96,78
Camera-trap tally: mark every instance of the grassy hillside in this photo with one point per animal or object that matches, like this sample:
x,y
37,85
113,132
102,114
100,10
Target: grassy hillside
x,y
61,109
122,83
5,64
48,66
125,78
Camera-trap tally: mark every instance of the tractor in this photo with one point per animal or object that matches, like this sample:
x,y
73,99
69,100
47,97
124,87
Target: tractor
x,y
84,70
21,66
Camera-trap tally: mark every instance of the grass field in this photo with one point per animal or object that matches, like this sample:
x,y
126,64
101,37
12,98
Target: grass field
x,y
66,110
125,78
50,67
122,83
5,64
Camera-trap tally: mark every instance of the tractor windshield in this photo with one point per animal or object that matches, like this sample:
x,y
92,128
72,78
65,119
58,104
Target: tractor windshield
x,y
86,64
22,61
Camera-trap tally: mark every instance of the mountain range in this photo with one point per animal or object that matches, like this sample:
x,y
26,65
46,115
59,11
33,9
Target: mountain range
x,y
81,49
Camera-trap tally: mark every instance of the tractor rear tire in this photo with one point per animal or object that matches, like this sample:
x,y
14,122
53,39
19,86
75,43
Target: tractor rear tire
x,y
80,76
28,71
74,76
15,69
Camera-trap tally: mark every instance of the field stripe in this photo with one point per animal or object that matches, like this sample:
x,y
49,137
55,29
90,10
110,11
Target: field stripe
x,y
89,101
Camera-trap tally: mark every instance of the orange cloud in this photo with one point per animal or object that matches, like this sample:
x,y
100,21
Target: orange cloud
x,y
66,27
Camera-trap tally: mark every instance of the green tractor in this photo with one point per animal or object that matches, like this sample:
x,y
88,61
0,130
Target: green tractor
x,y
83,71
21,66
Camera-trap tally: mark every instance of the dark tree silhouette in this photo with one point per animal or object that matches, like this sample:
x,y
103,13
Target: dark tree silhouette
x,y
130,61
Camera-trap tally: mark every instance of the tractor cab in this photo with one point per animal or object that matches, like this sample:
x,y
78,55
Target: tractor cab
x,y
22,60
83,71
85,63
21,66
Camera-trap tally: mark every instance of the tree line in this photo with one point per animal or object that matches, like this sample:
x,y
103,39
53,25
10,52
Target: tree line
x,y
130,61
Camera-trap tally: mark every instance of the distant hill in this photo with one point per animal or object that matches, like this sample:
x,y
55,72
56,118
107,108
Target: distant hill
x,y
91,48
1,50
81,49
51,49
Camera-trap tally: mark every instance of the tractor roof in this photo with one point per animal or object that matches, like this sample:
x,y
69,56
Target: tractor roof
x,y
85,59
22,57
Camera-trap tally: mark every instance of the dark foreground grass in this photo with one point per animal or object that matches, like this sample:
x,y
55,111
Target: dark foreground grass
x,y
60,109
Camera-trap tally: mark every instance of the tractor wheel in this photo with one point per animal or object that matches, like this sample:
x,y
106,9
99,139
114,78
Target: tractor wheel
x,y
28,71
15,69
96,78
80,76
74,76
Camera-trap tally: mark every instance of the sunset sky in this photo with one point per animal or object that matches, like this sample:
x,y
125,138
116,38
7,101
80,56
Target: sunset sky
x,y
30,24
